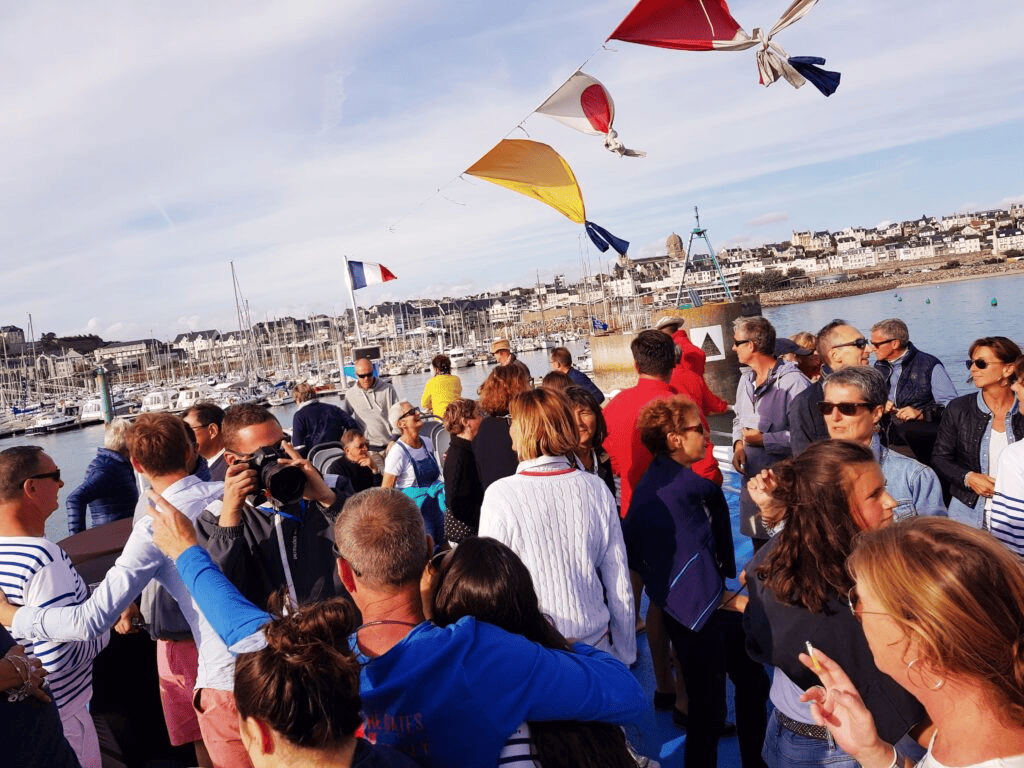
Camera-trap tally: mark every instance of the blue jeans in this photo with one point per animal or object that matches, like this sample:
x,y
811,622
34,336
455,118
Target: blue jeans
x,y
783,748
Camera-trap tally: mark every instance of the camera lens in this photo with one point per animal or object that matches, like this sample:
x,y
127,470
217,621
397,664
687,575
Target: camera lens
x,y
285,484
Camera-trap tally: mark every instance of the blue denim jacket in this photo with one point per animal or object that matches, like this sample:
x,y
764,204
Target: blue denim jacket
x,y
915,486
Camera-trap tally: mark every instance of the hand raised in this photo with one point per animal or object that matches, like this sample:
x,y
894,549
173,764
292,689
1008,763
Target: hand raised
x,y
173,533
837,705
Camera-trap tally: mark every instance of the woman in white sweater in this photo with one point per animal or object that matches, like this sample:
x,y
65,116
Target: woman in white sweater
x,y
563,524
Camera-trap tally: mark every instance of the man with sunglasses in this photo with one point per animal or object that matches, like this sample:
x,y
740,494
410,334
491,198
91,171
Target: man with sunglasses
x,y
261,544
919,389
840,346
36,572
368,401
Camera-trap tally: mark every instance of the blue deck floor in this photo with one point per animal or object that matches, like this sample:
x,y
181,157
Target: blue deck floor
x,y
656,736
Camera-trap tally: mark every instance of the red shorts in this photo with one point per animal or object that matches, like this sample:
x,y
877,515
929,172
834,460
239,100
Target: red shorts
x,y
177,662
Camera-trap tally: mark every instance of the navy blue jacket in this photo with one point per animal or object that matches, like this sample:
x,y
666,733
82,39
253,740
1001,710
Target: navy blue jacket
x,y
915,385
109,490
317,423
580,379
679,538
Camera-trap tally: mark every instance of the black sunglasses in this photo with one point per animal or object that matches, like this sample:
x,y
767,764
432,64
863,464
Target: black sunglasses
x,y
858,343
55,475
365,375
410,412
981,364
741,342
847,409
880,343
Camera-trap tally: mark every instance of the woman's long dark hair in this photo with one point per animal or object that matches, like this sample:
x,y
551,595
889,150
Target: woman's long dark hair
x,y
485,579
807,564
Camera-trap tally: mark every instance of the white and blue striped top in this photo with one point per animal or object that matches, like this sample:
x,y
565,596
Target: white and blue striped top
x,y
35,571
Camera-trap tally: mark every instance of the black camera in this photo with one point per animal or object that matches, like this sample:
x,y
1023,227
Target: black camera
x,y
284,483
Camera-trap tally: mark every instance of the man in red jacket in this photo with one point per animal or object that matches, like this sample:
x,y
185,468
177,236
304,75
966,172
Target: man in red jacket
x,y
688,379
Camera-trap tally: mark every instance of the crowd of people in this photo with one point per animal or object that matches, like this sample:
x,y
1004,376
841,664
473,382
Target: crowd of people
x,y
461,585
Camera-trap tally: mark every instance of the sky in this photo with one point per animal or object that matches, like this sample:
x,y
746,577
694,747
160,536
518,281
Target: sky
x,y
150,146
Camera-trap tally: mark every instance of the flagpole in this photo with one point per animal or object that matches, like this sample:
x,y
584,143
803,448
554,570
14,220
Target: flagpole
x,y
352,297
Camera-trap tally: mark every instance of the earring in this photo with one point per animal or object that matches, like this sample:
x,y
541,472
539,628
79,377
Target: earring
x,y
935,687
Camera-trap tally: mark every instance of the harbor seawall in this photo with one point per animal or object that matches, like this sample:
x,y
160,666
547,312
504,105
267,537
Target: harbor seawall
x,y
887,283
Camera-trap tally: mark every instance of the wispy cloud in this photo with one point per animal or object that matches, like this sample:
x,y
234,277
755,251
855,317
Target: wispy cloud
x,y
773,217
146,147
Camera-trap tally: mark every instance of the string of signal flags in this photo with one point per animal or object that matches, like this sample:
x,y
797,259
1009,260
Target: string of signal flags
x,y
583,103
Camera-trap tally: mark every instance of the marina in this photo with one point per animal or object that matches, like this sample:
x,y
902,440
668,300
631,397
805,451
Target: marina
x,y
926,309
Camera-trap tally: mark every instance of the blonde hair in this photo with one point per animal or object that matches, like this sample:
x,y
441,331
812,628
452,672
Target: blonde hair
x,y
546,424
959,593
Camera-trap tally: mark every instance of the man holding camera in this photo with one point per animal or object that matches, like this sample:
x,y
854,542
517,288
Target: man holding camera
x,y
274,526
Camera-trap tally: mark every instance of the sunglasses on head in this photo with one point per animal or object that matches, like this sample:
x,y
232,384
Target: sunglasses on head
x,y
858,343
977,362
847,409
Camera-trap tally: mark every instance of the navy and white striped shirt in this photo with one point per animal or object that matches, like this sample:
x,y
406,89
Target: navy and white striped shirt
x,y
35,571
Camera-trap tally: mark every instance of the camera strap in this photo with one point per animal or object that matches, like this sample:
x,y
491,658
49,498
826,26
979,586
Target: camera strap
x,y
282,546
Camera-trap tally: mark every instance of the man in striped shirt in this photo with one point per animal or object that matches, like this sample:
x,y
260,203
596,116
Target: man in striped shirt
x,y
35,571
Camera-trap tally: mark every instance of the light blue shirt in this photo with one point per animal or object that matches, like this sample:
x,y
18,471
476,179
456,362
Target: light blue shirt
x,y
942,386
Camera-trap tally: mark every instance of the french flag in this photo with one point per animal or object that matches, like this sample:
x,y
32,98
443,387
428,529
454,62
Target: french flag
x,y
364,273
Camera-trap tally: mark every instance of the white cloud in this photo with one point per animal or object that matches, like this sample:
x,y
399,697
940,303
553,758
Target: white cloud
x,y
146,147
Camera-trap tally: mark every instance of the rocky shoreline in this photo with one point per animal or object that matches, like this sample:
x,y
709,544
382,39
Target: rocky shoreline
x,y
887,283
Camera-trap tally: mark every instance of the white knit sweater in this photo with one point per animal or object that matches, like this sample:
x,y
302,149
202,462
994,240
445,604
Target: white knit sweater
x,y
566,529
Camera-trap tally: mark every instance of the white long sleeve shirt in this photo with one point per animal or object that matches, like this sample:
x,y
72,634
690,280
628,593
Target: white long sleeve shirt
x,y
565,527
139,562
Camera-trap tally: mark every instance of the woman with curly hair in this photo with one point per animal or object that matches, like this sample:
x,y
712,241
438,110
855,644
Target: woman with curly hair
x,y
798,590
678,537
492,446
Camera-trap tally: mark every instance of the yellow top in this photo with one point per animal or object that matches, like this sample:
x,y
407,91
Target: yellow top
x,y
440,391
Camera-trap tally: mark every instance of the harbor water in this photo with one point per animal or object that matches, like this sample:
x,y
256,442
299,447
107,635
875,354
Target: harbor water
x,y
944,319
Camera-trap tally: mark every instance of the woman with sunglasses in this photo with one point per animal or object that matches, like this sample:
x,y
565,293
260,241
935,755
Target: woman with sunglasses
x,y
485,579
564,524
976,428
798,589
410,466
853,404
942,607
679,539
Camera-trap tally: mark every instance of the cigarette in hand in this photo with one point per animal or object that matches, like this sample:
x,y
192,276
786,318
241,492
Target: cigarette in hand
x,y
810,652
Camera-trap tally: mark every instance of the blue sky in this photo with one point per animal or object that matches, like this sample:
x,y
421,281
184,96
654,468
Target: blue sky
x,y
146,146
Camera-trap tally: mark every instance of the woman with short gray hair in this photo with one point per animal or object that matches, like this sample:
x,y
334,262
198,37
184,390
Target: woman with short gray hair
x,y
853,406
110,490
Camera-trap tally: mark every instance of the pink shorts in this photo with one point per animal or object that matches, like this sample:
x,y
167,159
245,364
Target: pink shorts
x,y
218,719
177,662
